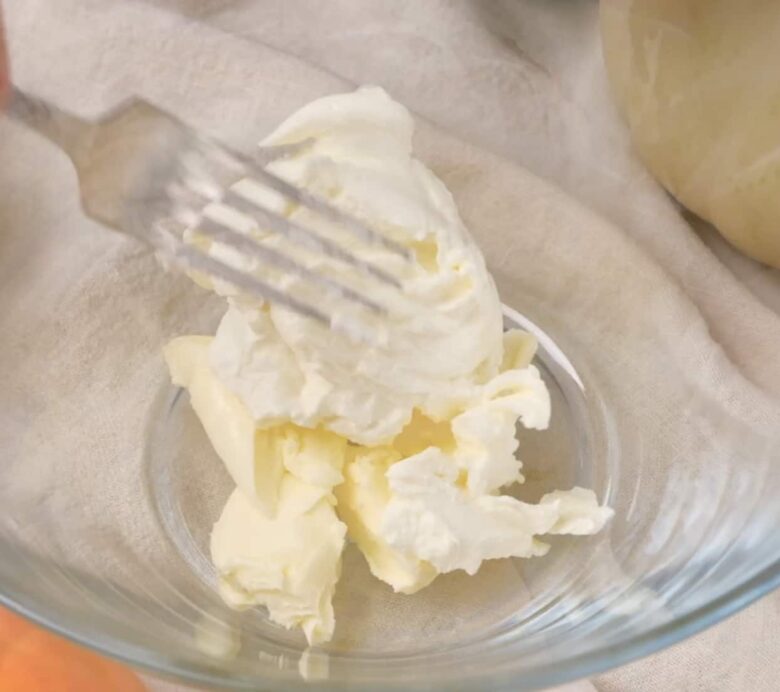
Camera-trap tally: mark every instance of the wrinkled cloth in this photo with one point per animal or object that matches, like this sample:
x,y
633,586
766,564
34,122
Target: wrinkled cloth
x,y
522,82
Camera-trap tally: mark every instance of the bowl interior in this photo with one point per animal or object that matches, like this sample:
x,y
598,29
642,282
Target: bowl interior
x,y
189,486
109,487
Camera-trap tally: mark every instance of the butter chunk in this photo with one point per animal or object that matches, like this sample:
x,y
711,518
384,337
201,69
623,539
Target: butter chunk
x,y
248,454
290,563
519,349
314,456
362,500
433,517
579,512
256,459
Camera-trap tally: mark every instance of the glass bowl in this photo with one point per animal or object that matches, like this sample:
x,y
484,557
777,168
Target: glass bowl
x,y
109,487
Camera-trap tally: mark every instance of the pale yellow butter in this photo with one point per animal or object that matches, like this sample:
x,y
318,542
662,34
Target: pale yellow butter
x,y
248,454
290,564
362,500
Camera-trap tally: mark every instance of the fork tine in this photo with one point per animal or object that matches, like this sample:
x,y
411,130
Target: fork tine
x,y
270,256
192,192
304,236
189,258
328,211
267,153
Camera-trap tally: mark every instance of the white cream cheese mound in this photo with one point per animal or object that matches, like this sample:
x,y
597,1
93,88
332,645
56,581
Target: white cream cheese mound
x,y
403,447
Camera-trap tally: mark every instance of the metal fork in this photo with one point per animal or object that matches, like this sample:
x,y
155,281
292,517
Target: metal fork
x,y
143,172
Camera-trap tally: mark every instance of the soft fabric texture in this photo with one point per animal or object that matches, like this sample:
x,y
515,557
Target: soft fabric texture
x,y
509,87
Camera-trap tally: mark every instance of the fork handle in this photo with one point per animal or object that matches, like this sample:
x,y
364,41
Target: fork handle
x,y
63,129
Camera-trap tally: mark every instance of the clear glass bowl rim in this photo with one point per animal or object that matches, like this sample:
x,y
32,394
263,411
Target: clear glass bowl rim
x,y
562,671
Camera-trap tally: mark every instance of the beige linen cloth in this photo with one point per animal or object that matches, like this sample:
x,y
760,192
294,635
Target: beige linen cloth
x,y
523,83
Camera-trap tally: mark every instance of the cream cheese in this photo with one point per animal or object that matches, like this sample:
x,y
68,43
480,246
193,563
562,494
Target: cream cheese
x,y
406,447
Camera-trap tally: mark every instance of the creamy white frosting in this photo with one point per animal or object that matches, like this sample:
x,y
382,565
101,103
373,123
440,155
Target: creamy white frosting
x,y
429,503
285,367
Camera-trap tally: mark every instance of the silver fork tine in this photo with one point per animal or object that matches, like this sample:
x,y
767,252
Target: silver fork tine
x,y
138,170
267,153
189,258
307,199
272,257
304,236
191,192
